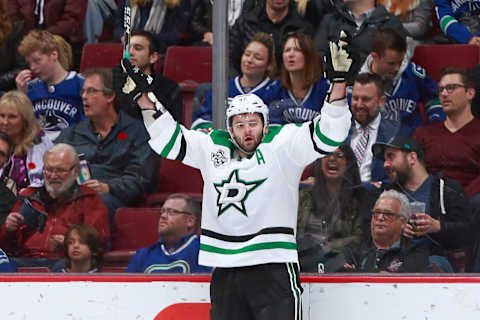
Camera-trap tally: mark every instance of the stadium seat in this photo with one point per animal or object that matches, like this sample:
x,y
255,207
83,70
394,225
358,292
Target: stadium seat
x,y
135,228
33,270
175,177
188,66
435,57
100,55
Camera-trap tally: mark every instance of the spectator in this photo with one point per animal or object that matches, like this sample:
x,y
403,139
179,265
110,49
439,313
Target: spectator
x,y
258,69
83,249
98,13
459,21
406,84
276,17
113,143
303,87
64,18
415,15
369,126
445,223
29,142
7,195
50,210
314,10
358,18
201,23
331,212
452,147
389,251
167,20
178,246
54,91
144,54
11,33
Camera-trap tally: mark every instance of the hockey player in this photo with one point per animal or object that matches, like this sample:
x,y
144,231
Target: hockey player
x,y
251,175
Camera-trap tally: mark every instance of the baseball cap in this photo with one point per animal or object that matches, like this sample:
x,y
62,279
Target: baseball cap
x,y
399,142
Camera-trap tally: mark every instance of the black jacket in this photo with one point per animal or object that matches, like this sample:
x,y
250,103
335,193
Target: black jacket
x,y
341,19
257,20
11,61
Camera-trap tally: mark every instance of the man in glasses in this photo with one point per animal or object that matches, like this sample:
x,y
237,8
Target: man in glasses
x,y
389,251
177,248
34,230
452,147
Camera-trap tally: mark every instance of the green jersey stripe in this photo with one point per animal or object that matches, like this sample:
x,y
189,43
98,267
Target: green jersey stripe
x,y
323,138
253,247
445,22
170,143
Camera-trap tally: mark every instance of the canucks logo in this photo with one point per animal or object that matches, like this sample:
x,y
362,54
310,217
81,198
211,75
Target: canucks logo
x,y
233,192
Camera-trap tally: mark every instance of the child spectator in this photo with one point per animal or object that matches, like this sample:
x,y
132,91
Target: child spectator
x,y
83,250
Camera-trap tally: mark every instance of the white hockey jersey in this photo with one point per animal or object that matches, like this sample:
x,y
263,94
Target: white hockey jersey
x,y
249,211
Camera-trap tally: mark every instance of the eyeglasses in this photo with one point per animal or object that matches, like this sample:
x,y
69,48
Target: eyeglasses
x,y
387,215
449,87
173,212
89,91
57,171
336,155
242,125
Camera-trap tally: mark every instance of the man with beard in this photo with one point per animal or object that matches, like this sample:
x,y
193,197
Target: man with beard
x,y
389,251
177,249
406,84
446,220
34,231
368,125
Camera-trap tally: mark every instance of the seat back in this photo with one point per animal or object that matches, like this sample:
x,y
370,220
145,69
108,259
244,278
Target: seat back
x,y
33,270
135,228
188,63
435,57
101,55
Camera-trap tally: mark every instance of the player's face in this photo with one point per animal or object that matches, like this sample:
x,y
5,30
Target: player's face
x,y
293,57
42,65
78,250
255,60
95,102
388,64
140,55
334,165
59,173
174,221
366,102
11,122
388,225
247,130
458,99
396,164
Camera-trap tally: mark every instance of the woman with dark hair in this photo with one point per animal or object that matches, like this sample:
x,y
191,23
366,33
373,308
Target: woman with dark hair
x,y
303,86
83,249
331,212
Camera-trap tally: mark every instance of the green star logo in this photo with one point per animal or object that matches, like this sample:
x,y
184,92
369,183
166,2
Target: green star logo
x,y
233,192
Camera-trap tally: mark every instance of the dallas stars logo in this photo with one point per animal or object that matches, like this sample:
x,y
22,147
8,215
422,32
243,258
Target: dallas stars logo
x,y
233,192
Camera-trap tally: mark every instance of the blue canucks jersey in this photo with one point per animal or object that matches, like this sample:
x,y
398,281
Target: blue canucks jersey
x,y
448,13
267,90
410,87
57,106
288,109
6,265
159,259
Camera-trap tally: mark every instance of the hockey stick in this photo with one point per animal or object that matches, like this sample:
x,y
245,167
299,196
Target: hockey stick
x,y
127,25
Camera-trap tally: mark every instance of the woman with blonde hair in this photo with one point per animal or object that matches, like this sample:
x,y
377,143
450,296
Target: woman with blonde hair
x,y
29,142
167,20
10,36
303,86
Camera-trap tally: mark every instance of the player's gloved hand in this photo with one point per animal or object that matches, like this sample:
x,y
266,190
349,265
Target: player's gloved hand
x,y
340,61
136,82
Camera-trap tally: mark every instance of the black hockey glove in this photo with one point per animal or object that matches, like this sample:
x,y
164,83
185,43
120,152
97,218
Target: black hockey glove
x,y
340,61
136,81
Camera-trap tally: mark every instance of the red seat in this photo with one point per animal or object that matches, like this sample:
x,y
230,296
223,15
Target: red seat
x,y
175,177
435,57
188,66
101,55
135,228
33,270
